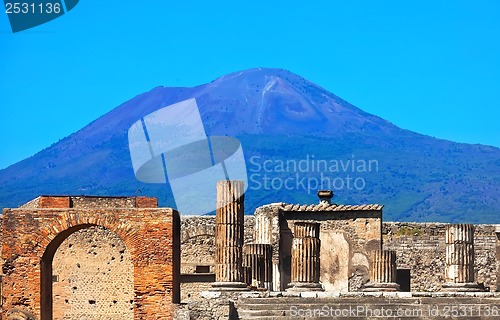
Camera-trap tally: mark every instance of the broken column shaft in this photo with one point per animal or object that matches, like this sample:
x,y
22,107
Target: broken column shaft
x,y
459,272
258,257
382,271
229,236
305,257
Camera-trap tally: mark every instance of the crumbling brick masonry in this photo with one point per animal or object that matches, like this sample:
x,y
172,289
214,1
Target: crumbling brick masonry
x,y
32,234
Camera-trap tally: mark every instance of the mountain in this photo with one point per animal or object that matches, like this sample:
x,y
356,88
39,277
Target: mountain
x,y
293,133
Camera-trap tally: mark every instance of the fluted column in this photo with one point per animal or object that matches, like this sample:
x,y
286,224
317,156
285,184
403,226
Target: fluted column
x,y
382,271
459,253
258,258
459,272
263,231
229,236
305,257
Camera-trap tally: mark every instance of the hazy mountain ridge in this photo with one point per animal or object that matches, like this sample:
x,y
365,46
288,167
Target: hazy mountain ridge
x,y
277,115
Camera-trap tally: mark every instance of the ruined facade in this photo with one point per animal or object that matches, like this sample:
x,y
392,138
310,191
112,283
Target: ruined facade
x,y
347,235
145,236
119,258
420,253
366,263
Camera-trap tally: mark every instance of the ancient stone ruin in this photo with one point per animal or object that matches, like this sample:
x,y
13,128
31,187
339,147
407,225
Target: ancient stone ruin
x,y
383,271
148,240
66,257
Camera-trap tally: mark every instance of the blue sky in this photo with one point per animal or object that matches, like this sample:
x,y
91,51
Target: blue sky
x,y
429,66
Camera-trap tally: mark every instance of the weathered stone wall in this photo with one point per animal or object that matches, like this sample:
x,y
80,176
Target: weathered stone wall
x,y
94,277
31,237
198,242
213,306
190,291
198,249
99,202
421,248
362,233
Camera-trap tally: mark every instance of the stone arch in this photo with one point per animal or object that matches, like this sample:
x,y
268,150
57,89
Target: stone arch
x,y
31,237
68,221
190,231
198,250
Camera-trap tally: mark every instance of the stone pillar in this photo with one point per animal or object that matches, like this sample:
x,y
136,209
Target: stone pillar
x,y
382,271
459,272
229,236
305,258
267,230
258,258
263,230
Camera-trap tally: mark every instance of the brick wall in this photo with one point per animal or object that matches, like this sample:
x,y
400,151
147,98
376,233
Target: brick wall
x,y
54,202
31,236
145,202
80,202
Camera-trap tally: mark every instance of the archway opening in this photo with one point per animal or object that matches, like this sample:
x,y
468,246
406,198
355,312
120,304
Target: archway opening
x,y
87,272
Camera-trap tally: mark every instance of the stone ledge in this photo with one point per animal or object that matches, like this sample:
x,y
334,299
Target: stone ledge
x,y
332,294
